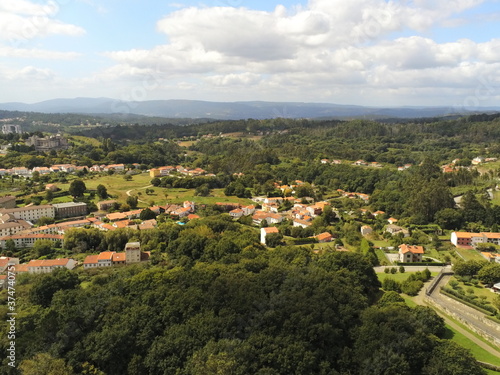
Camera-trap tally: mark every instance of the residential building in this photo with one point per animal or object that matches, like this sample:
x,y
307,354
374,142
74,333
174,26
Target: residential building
x,y
237,213
466,239
9,201
410,254
324,237
30,213
70,209
49,265
11,128
13,227
105,205
6,262
28,240
366,230
265,231
133,252
301,223
56,142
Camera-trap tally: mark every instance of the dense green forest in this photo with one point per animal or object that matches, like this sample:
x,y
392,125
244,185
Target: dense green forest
x,y
251,312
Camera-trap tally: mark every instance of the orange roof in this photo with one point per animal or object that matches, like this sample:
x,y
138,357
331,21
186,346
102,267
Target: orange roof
x,y
91,259
35,263
55,262
488,255
324,236
271,230
466,234
105,255
121,223
492,235
119,257
412,249
116,216
22,268
193,216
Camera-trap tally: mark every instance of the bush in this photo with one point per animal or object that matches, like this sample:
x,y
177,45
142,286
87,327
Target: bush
x,y
412,287
386,270
391,285
401,269
393,270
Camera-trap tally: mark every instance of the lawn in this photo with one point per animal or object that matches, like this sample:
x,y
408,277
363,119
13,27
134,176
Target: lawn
x,y
469,254
479,290
479,353
400,277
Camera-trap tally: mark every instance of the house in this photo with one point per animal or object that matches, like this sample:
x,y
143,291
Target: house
x,y
70,209
395,229
28,240
51,187
237,213
265,231
489,256
466,239
324,237
392,220
49,265
105,205
9,201
31,213
377,213
301,223
248,210
366,230
7,261
410,254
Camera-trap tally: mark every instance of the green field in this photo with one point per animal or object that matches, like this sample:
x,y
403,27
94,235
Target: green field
x,y
469,254
400,277
118,187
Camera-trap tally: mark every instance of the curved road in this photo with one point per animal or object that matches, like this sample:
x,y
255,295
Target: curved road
x,y
466,314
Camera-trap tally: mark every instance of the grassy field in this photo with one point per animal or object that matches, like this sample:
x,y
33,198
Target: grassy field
x,y
478,290
469,254
81,139
479,353
397,276
117,188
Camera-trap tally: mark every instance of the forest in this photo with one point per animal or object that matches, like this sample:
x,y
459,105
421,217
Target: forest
x,y
213,300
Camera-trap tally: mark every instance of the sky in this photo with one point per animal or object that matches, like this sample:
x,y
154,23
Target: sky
x,y
364,52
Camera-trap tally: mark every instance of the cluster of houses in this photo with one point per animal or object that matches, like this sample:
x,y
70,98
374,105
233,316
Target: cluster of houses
x,y
453,166
469,240
165,171
68,168
132,255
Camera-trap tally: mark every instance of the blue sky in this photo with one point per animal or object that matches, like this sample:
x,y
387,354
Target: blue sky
x,y
366,52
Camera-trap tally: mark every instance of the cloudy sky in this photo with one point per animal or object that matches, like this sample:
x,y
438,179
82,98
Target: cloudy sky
x,y
367,52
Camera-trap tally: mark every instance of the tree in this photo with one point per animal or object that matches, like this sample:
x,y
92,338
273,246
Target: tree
x,y
489,274
44,220
49,195
155,181
42,247
132,201
102,192
274,239
77,188
449,358
45,364
147,214
468,268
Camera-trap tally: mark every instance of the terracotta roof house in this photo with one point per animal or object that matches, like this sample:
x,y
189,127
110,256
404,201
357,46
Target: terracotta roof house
x,y
410,254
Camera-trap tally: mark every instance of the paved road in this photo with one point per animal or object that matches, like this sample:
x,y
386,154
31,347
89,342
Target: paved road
x,y
421,300
465,313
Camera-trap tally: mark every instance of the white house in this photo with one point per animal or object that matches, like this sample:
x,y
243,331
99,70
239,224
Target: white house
x,y
265,231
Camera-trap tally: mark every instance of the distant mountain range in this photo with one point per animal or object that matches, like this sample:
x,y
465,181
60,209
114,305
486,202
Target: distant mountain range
x,y
231,110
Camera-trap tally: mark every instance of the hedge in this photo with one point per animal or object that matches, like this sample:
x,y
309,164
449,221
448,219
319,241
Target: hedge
x,y
488,310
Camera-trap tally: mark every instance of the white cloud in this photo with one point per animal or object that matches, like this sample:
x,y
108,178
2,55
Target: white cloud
x,y
31,73
24,20
24,53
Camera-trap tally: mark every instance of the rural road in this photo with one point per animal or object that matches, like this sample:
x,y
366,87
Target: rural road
x,y
465,313
145,187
